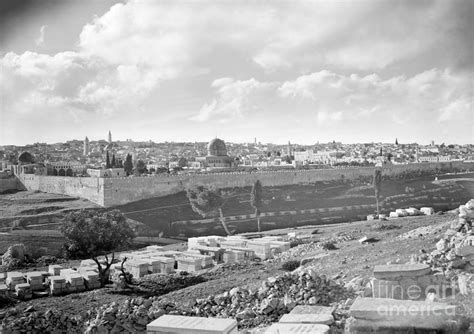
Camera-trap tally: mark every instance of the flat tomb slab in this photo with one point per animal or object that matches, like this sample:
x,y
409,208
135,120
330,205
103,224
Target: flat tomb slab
x,y
292,318
177,324
312,309
279,328
403,313
401,270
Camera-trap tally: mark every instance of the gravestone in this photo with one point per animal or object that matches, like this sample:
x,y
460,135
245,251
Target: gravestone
x,y
280,328
393,271
315,314
378,314
177,324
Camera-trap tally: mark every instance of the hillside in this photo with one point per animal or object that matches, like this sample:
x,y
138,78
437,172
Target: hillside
x,y
169,214
396,240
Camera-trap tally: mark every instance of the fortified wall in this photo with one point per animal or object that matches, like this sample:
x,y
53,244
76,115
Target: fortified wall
x,y
90,188
121,190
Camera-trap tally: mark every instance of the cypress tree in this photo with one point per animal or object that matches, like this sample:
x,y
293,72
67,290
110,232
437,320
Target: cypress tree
x,y
107,160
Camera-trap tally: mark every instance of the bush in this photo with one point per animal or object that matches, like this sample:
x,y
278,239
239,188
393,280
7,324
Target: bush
x,y
316,231
294,243
290,265
328,246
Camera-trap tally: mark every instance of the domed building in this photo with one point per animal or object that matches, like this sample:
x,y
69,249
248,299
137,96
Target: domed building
x,y
217,155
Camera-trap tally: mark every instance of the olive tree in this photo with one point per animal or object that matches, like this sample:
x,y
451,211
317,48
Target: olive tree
x,y
92,234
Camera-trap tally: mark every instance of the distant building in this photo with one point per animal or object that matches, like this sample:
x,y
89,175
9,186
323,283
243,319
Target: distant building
x,y
319,157
109,172
217,155
86,146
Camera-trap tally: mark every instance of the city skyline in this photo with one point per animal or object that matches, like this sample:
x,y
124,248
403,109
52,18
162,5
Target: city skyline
x,y
354,72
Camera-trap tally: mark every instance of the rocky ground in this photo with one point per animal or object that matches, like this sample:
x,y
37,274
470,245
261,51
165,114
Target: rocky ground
x,y
238,290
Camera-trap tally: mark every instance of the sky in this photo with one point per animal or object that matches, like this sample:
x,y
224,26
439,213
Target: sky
x,y
278,71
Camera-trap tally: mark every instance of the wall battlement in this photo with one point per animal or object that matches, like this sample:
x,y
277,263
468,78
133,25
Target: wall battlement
x,y
109,192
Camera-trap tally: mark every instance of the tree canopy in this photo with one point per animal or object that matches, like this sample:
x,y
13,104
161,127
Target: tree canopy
x,y
90,234
205,201
140,167
128,165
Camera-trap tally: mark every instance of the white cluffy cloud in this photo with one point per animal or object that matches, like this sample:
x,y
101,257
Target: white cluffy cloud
x,y
436,95
266,58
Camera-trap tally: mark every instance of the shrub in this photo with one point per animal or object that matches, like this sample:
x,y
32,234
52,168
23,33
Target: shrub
x,y
294,243
290,265
316,231
328,245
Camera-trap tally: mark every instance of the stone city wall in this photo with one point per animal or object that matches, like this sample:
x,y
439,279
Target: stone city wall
x,y
7,184
121,190
84,187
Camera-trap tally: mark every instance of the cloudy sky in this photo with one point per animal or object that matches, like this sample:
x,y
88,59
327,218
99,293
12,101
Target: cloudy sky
x,y
304,71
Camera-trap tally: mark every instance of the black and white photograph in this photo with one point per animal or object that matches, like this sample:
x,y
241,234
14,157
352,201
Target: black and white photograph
x,y
237,166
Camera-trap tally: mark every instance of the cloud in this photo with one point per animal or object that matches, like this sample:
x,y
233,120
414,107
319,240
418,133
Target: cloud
x,y
438,94
40,39
234,99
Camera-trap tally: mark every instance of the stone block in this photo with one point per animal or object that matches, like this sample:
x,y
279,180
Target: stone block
x,y
427,210
176,324
465,250
280,328
309,318
54,269
403,313
393,271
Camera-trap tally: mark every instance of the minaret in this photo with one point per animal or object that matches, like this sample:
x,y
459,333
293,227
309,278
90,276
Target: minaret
x,y
110,138
86,146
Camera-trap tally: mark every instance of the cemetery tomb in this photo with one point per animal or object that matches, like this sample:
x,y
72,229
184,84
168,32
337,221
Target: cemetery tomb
x,y
215,252
54,269
75,282
88,263
232,243
377,315
280,328
206,261
413,211
35,279
2,277
57,285
138,268
427,211
196,242
14,278
393,215
188,264
177,324
154,248
401,212
261,248
311,314
88,269
401,270
23,291
66,272
154,265
91,280
228,256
